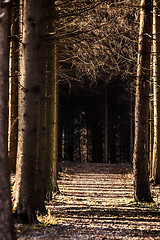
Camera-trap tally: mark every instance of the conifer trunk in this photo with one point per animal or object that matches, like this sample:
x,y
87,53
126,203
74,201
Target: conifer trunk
x,y
141,155
42,66
131,127
55,134
51,110
6,223
106,159
13,88
156,92
29,88
151,129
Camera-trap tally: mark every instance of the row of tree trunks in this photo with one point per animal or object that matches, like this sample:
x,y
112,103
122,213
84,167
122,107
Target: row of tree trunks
x,y
32,170
6,223
98,130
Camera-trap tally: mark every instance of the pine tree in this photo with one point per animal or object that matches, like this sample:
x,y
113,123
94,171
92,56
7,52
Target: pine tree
x,y
6,223
156,92
140,155
29,92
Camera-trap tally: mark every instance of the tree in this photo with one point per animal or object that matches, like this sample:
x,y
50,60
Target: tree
x,y
140,155
156,92
98,43
13,87
29,92
6,223
96,47
51,148
42,73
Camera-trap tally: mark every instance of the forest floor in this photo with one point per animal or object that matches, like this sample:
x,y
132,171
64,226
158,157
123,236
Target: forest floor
x,y
96,202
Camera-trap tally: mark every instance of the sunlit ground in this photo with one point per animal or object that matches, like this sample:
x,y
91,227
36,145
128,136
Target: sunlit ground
x,y
96,202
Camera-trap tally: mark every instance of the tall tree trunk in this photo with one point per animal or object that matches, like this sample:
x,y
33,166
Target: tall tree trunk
x,y
60,128
55,134
106,160
42,66
156,92
131,127
13,88
50,173
140,155
151,123
6,223
151,130
29,88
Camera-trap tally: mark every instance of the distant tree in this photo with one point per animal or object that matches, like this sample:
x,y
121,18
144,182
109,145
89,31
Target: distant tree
x,y
97,42
6,223
140,155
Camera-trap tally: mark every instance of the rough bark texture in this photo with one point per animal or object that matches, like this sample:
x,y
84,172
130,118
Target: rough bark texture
x,y
140,156
151,130
13,89
156,92
55,138
29,88
131,127
40,163
51,162
6,224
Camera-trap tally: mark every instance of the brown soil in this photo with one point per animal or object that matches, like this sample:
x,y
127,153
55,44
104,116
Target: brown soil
x,y
96,202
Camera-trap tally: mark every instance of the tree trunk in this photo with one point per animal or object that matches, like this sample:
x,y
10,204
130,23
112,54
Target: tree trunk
x,y
131,128
29,88
51,100
156,92
151,130
140,155
60,128
55,134
43,56
6,223
13,89
106,160
151,123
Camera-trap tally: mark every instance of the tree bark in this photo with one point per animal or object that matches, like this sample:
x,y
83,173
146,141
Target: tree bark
x,y
51,108
6,222
156,92
29,89
140,155
13,88
55,134
131,128
42,66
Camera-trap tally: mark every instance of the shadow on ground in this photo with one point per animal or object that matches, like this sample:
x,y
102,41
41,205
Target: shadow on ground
x,y
96,202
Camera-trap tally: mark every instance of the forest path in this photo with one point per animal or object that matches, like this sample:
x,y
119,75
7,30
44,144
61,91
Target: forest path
x,y
96,202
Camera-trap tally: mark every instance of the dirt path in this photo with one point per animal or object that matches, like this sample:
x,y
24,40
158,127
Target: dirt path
x,y
96,202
